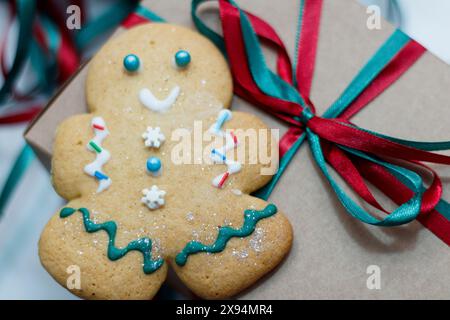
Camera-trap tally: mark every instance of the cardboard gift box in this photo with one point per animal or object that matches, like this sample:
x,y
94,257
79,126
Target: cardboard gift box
x,y
334,255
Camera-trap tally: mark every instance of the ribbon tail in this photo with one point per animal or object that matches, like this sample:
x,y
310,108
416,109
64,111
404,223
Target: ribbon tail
x,y
437,220
405,213
424,146
370,71
20,166
356,138
265,191
25,11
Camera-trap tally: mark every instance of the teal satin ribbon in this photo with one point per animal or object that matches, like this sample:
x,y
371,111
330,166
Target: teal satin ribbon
x,y
21,164
204,29
150,15
44,63
403,214
25,13
269,82
103,23
368,73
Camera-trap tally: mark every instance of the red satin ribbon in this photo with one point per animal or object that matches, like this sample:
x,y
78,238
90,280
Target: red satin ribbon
x,y
397,192
23,116
391,73
67,57
133,20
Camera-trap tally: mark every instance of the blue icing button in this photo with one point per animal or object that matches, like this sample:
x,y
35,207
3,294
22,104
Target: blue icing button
x,y
153,164
182,58
131,62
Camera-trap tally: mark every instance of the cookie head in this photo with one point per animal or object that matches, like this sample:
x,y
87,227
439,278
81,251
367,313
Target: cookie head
x,y
156,66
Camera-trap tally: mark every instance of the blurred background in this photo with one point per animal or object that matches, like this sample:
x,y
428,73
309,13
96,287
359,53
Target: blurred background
x,y
33,66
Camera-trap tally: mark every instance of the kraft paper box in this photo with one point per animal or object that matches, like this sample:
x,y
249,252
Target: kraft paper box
x,y
332,253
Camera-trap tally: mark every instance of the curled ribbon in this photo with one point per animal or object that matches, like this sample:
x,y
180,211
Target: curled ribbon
x,y
357,155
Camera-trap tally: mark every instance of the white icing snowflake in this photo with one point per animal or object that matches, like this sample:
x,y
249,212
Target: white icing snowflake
x,y
153,137
153,198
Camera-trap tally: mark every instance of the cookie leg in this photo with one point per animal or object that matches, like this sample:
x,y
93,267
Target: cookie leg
x,y
79,261
242,262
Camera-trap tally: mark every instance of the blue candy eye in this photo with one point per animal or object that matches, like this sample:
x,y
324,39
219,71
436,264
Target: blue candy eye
x,y
182,58
131,62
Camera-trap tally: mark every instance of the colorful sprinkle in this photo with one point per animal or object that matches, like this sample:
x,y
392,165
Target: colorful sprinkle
x,y
182,58
216,129
95,147
237,192
190,216
131,63
223,116
100,176
234,138
224,178
98,127
223,157
94,169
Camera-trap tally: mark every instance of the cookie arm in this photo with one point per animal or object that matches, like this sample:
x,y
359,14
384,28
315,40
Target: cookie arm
x,y
256,152
70,156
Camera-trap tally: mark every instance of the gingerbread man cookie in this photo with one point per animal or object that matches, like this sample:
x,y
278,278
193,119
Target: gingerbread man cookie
x,y
141,196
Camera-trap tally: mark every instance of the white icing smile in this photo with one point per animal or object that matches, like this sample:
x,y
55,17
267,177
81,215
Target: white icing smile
x,y
150,101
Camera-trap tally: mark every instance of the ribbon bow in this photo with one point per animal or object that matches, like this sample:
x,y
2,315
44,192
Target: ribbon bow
x,y
392,165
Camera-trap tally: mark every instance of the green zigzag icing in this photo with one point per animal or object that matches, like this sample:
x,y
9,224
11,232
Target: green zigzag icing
x,y
251,218
143,245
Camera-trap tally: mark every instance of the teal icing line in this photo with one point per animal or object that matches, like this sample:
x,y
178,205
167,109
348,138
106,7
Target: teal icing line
x,y
143,245
251,218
